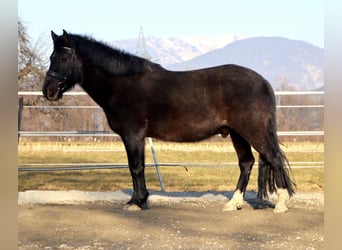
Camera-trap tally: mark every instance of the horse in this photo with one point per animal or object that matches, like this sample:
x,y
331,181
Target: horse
x,y
143,99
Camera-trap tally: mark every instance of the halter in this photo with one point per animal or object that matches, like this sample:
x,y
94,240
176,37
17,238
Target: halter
x,y
62,85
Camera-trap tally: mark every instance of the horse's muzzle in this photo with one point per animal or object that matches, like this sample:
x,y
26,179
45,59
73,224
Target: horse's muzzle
x,y
52,95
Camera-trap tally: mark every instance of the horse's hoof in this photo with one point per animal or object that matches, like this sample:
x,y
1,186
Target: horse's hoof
x,y
283,197
280,209
230,207
235,203
132,207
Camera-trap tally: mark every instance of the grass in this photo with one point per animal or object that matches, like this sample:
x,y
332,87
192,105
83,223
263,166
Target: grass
x,y
199,176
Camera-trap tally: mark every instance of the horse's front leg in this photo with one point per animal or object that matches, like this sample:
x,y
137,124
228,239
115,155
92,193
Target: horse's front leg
x,y
135,149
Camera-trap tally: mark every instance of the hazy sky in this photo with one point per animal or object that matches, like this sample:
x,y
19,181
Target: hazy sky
x,y
110,20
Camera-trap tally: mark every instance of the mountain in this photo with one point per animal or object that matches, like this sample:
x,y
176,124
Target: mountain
x,y
168,51
286,63
206,43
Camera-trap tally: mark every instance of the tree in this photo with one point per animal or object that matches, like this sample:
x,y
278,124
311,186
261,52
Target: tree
x,y
31,67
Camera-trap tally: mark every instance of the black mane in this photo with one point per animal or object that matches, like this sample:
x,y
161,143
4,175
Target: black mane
x,y
109,59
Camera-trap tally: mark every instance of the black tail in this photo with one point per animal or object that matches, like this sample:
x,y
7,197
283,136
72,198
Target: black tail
x,y
266,178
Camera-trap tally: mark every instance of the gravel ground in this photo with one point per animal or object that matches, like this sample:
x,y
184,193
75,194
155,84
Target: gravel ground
x,y
96,220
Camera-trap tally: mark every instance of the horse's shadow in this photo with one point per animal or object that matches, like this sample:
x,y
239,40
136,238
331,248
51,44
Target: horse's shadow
x,y
260,204
250,197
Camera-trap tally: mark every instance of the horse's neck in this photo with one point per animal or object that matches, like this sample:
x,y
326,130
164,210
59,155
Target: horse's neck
x,y
99,83
97,86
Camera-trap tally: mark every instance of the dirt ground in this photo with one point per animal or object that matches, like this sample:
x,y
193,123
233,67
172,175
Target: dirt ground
x,y
174,221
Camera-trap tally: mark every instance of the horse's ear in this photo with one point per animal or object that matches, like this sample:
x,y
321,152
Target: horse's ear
x,y
53,36
65,36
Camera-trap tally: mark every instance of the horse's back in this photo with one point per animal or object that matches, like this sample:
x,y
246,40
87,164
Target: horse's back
x,y
225,87
193,105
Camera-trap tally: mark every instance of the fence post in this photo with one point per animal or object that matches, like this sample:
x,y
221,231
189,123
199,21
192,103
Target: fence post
x,y
156,164
20,111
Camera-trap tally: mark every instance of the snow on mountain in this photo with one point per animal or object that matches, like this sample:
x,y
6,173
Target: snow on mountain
x,y
207,43
167,51
164,51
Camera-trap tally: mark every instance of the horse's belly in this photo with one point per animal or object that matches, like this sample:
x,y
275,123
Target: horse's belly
x,y
182,131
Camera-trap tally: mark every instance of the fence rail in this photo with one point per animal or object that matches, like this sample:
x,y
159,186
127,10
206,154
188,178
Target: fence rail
x,y
90,166
109,133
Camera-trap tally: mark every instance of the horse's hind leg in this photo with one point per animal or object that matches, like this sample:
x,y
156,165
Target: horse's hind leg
x,y
246,161
274,175
263,173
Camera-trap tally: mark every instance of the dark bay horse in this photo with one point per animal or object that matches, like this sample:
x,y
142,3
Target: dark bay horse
x,y
142,99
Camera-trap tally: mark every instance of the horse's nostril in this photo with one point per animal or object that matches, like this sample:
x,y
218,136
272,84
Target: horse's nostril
x,y
49,93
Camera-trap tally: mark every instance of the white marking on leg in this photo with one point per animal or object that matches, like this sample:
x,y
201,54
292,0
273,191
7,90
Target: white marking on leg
x,y
132,207
283,197
235,203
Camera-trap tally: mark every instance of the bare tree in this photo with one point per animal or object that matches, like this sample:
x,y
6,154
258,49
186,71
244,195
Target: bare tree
x,y
31,67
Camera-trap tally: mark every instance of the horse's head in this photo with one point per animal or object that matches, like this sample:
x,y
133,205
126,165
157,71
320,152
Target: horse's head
x,y
64,67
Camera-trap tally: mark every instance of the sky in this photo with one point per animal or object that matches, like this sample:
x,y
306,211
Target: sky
x,y
109,20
